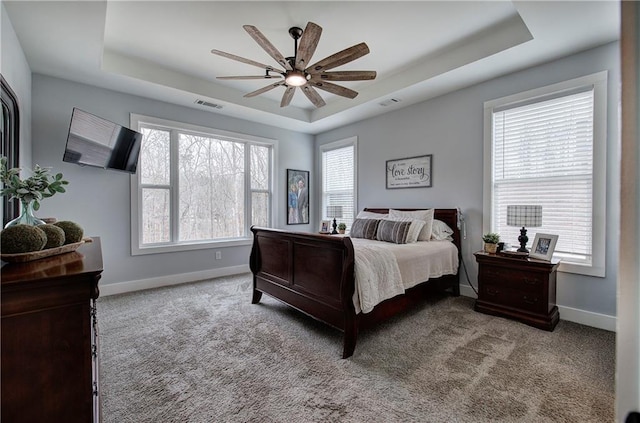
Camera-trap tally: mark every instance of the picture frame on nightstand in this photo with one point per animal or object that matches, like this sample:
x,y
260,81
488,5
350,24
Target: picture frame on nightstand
x,y
324,226
543,246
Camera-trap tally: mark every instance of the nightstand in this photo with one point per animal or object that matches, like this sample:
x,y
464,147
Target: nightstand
x,y
519,288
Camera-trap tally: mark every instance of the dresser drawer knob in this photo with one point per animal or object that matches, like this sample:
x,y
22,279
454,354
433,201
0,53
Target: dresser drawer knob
x,y
530,300
493,273
530,281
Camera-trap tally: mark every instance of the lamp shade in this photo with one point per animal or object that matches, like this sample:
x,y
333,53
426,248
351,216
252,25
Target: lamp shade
x,y
519,215
334,211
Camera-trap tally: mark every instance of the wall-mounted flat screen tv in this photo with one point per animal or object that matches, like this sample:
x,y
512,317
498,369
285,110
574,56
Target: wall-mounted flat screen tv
x,y
94,141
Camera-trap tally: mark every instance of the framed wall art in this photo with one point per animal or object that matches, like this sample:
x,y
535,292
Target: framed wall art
x,y
297,197
410,172
543,246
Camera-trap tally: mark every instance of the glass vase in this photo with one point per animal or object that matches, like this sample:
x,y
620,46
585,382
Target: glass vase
x,y
26,215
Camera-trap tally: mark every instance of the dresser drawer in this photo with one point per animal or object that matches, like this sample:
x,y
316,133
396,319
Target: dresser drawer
x,y
512,278
505,296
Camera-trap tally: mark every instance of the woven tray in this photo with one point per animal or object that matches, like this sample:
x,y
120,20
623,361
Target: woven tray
x,y
36,255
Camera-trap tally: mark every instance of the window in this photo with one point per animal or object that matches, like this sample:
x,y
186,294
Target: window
x,y
547,147
338,168
198,186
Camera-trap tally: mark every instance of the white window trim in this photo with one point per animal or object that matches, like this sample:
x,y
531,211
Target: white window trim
x,y
599,83
136,194
333,146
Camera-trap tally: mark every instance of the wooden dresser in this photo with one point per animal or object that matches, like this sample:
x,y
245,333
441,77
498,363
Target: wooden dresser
x,y
49,339
522,289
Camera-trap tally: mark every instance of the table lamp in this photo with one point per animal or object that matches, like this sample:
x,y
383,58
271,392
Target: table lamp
x,y
334,212
520,215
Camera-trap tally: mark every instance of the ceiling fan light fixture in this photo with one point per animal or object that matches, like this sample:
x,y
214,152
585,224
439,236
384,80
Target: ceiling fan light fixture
x,y
296,79
297,73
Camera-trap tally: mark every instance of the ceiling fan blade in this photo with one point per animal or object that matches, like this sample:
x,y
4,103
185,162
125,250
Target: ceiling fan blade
x,y
250,77
334,89
313,95
340,58
267,46
264,89
287,96
243,60
308,44
345,76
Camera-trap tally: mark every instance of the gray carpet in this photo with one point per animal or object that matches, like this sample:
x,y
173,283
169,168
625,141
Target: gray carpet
x,y
201,352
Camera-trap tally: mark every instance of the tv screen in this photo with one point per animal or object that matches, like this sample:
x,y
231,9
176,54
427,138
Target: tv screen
x,y
94,141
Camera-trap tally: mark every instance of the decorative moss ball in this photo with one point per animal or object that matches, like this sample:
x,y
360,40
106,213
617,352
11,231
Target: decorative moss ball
x,y
22,239
72,231
55,236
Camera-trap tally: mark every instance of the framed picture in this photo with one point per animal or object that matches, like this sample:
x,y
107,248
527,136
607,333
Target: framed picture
x,y
543,246
411,172
324,226
297,197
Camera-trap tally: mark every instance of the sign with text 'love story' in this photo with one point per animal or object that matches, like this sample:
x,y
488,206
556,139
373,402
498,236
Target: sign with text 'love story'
x,y
411,172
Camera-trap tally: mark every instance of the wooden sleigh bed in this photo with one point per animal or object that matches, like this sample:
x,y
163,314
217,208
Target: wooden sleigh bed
x,y
314,273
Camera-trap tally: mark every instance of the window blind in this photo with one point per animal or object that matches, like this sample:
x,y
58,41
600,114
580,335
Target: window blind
x,y
543,155
338,182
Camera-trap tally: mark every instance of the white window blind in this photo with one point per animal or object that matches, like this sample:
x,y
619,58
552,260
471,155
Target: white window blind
x,y
543,155
338,170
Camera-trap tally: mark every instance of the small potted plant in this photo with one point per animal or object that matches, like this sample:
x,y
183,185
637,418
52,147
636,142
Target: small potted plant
x,y
30,191
342,227
491,242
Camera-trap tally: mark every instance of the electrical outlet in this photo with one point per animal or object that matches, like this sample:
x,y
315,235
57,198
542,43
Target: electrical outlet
x,y
218,255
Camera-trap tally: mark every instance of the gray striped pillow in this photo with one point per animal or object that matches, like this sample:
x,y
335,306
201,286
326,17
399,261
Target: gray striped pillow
x,y
364,228
393,231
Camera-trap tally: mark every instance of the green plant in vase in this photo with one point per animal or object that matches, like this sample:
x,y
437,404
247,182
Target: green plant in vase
x,y
30,191
342,227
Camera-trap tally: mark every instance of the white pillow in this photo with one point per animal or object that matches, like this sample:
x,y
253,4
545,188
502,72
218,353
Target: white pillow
x,y
414,228
424,215
441,231
371,215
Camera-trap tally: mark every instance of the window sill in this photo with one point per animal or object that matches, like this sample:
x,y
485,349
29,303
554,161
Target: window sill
x,y
188,246
582,269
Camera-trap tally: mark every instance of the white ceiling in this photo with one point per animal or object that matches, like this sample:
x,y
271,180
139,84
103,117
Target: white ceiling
x,y
420,49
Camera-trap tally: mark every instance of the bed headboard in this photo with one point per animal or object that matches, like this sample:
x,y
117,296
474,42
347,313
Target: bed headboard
x,y
448,216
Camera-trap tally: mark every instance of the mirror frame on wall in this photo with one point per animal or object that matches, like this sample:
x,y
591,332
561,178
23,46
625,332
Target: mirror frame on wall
x,y
10,147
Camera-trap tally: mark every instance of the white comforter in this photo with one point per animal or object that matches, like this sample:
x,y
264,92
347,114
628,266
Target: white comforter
x,y
384,270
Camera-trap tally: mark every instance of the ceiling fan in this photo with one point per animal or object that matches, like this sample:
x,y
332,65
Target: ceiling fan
x,y
297,72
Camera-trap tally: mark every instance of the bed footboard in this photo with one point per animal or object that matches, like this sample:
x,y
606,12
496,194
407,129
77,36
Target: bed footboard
x,y
310,272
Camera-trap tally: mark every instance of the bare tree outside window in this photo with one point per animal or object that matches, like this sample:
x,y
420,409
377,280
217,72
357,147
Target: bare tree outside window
x,y
205,198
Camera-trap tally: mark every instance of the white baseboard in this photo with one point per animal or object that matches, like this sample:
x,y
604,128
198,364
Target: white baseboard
x,y
130,286
588,318
467,291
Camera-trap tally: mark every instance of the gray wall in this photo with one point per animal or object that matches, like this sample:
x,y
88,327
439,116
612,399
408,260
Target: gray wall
x,y
99,200
451,128
16,71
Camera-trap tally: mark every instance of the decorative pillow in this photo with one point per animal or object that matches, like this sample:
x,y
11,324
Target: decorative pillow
x,y
424,215
393,231
364,228
371,215
414,228
441,231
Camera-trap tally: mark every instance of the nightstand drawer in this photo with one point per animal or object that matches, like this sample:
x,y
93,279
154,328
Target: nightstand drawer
x,y
507,297
512,278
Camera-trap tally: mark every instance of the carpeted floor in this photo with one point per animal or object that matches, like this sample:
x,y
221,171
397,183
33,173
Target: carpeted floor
x,y
201,352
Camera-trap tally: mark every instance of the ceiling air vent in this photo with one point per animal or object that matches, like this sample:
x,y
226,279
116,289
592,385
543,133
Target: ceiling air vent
x,y
389,102
208,104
